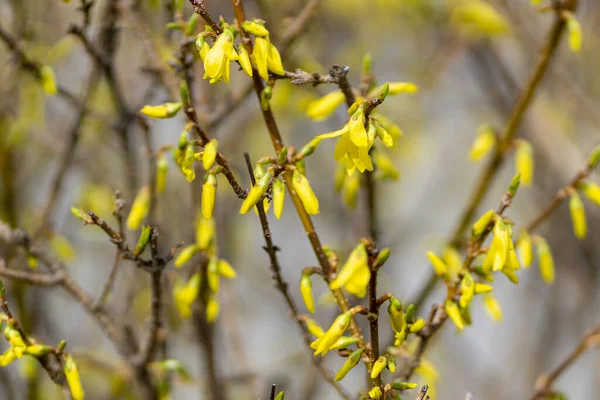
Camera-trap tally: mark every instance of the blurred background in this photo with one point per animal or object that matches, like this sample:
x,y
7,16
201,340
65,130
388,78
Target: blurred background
x,y
467,77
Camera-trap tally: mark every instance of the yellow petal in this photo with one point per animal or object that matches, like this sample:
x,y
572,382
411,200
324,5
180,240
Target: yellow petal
x,y
305,192
325,106
578,216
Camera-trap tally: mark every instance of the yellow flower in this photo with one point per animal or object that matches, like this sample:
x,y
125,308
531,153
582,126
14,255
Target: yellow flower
x,y
482,288
323,344
245,60
257,191
378,366
187,164
356,127
385,167
225,269
209,194
591,190
210,153
454,314
186,255
524,162
578,216
48,80
266,58
453,260
440,268
417,326
350,363
394,89
482,223
218,58
351,189
139,208
325,106
479,19
255,27
545,260
397,320
307,293
305,192
483,144
212,274
162,167
355,274
185,296
492,307
314,328
205,233
212,310
467,290
166,110
375,393
499,249
278,198
72,375
142,240
574,33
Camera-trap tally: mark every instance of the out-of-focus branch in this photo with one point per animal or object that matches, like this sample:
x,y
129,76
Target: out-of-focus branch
x,y
545,382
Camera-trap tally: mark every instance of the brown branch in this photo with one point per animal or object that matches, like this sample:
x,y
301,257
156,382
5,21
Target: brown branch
x,y
512,125
544,382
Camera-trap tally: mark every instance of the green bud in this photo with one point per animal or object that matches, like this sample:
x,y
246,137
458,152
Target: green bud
x,y
403,385
410,312
282,156
191,25
350,363
265,97
82,215
367,63
397,304
184,92
514,185
280,396
143,240
309,148
594,158
382,257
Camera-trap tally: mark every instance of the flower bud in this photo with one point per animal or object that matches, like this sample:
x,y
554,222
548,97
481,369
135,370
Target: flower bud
x,y
184,93
403,385
492,307
484,143
467,288
143,240
578,215
187,163
440,268
48,80
574,29
255,27
278,197
225,269
594,157
391,364
244,60
139,208
265,97
351,362
524,162
514,185
417,325
212,274
323,344
344,342
382,257
185,255
309,148
205,233
385,167
209,194
212,310
72,375
307,293
82,215
210,153
191,25
280,396
162,167
482,288
305,192
545,259
375,393
454,314
355,274
257,192
482,223
314,328
351,189
378,366
166,110
591,190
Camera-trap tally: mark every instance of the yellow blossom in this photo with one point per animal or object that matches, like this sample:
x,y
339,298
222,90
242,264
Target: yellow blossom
x,y
591,190
307,293
205,233
210,153
385,167
48,80
245,60
483,144
454,314
575,35
72,375
278,198
139,208
578,215
257,191
475,17
323,344
545,259
352,360
185,255
305,192
492,307
440,268
355,274
356,127
185,295
266,57
525,247
212,310
378,366
524,162
467,290
225,269
325,106
314,328
218,58
166,110
351,189
375,393
209,194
